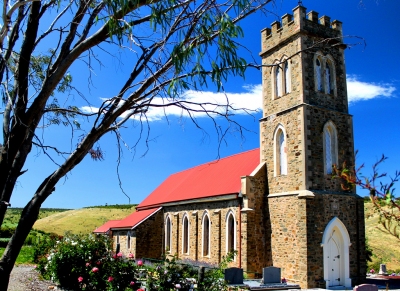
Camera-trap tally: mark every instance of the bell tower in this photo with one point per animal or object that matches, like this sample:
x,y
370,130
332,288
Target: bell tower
x,y
316,228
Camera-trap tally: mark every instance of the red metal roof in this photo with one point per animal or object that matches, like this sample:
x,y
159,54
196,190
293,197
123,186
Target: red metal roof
x,y
106,226
135,218
220,177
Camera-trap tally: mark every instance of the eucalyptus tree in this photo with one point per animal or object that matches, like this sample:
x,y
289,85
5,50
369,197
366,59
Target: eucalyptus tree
x,y
168,43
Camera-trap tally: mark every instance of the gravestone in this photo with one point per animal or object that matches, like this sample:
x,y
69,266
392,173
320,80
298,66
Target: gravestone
x,y
271,275
234,276
366,287
382,270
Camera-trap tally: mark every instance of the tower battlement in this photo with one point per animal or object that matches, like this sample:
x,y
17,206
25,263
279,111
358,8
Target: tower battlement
x,y
300,22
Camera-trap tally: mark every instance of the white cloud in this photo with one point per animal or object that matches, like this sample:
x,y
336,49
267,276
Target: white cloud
x,y
240,103
250,100
358,90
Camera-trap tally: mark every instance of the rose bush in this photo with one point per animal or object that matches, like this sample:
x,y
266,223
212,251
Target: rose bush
x,y
88,263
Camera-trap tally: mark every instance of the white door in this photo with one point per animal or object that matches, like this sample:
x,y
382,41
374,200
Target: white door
x,y
334,260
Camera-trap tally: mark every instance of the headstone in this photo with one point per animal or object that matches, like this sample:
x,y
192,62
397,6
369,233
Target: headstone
x,y
234,276
382,270
271,275
366,287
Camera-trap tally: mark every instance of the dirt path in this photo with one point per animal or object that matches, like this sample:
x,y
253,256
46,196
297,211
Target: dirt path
x,y
25,278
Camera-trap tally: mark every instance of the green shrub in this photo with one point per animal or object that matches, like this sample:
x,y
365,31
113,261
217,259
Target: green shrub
x,y
4,242
6,232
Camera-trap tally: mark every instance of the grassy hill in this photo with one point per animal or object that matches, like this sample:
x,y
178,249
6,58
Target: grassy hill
x,y
80,221
385,247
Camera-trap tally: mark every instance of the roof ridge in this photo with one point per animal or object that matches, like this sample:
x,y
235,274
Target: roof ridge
x,y
213,161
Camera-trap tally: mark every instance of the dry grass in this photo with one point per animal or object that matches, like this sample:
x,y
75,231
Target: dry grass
x,y
80,221
385,247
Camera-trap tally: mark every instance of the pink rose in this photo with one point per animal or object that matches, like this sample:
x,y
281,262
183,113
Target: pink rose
x,y
119,254
80,279
178,286
114,256
130,256
110,279
132,283
98,262
95,269
87,264
140,263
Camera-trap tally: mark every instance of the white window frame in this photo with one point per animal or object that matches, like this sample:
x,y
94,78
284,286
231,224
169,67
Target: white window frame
x,y
281,83
228,215
168,234
277,155
187,234
331,129
203,238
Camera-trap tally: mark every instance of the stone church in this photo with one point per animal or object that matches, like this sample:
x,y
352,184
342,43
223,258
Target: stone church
x,y
278,205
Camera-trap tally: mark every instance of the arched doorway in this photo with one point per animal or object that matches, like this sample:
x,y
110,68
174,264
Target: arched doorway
x,y
336,243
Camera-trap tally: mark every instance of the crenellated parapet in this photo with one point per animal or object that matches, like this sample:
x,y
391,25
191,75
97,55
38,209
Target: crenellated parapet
x,y
300,22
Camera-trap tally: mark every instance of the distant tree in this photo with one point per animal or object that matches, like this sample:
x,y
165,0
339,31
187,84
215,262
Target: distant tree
x,y
381,189
172,45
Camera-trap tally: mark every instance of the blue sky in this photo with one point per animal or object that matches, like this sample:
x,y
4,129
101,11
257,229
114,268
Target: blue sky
x,y
374,92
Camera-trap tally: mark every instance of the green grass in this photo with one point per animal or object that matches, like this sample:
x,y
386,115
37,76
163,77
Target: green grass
x,y
24,257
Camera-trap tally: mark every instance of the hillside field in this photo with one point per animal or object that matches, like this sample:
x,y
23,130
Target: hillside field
x,y
80,221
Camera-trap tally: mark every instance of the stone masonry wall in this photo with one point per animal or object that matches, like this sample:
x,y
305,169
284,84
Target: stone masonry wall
x,y
146,238
255,244
292,122
288,235
316,118
218,212
349,208
297,227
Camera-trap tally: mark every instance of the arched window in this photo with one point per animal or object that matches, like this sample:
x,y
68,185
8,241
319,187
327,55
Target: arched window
x,y
324,74
318,74
206,235
287,77
330,147
185,235
328,78
168,229
128,240
230,233
280,151
278,81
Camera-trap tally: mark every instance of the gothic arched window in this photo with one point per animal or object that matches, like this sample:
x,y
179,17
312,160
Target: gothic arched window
x,y
324,74
230,233
280,151
206,235
282,154
330,147
168,234
287,80
328,78
128,240
278,81
318,74
185,235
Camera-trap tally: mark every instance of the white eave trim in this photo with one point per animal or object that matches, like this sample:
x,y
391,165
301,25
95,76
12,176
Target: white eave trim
x,y
201,200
